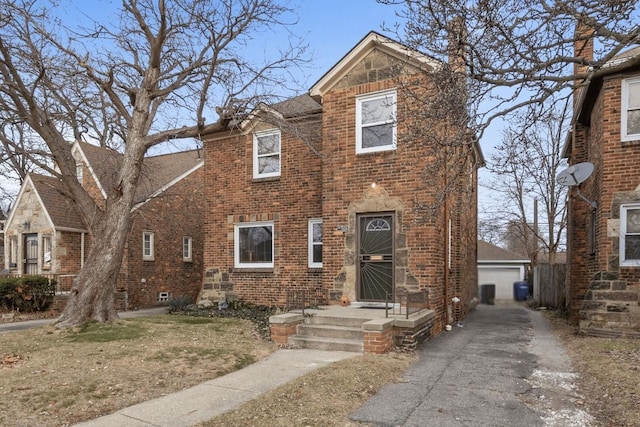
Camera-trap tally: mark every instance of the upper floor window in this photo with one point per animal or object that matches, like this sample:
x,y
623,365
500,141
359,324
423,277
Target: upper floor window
x,y
315,243
376,122
266,154
187,243
630,126
630,235
253,245
79,172
147,246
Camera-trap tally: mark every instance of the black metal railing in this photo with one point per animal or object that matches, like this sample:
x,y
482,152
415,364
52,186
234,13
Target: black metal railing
x,y
404,303
299,299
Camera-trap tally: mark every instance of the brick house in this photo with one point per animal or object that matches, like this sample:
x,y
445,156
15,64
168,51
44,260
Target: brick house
x,y
45,233
325,193
603,259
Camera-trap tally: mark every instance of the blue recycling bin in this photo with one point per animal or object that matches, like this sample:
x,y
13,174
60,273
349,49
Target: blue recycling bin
x,y
520,291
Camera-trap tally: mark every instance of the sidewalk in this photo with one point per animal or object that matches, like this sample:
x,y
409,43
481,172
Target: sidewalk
x,y
212,398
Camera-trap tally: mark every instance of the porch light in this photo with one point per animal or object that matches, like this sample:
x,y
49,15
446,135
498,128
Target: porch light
x,y
26,225
374,185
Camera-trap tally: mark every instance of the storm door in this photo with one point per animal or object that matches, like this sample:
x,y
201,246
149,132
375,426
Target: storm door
x,y
30,254
375,251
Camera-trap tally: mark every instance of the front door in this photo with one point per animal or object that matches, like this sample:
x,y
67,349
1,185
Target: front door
x,y
30,254
375,250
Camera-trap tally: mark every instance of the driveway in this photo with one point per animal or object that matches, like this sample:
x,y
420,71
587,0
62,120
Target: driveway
x,y
502,367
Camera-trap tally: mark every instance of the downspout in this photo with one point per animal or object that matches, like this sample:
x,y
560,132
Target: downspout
x,y
82,250
445,230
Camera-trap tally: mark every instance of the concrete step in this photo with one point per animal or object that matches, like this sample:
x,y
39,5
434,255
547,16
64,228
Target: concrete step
x,y
352,322
330,331
327,344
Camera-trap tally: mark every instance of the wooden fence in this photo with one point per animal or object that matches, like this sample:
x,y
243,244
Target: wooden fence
x,y
548,285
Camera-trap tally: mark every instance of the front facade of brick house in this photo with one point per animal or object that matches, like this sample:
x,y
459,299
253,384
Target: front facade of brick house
x,y
46,235
323,192
603,263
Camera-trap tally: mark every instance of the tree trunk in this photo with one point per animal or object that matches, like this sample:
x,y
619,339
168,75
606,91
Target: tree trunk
x,y
92,294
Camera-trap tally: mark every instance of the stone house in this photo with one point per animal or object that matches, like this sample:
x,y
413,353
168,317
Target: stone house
x,y
603,230
327,193
45,234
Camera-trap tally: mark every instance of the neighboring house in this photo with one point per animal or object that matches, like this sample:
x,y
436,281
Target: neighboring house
x,y
502,268
45,233
323,193
603,233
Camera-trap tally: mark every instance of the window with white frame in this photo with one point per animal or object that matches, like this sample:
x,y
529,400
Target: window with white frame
x,y
46,252
186,248
147,246
376,122
79,172
266,154
13,251
630,235
253,245
315,243
630,126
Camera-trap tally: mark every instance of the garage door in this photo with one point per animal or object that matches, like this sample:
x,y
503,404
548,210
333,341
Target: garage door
x,y
502,277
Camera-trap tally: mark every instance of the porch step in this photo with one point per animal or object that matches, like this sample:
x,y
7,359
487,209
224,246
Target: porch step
x,y
327,343
330,331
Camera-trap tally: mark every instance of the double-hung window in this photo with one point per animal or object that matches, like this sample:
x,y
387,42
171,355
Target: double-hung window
x,y
376,122
253,245
147,246
315,243
630,235
630,126
266,154
187,243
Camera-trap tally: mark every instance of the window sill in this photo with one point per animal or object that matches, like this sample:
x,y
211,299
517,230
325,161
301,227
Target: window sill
x,y
266,179
251,270
315,270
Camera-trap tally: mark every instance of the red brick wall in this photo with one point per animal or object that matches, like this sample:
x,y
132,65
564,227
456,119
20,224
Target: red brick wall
x,y
176,213
69,250
615,174
329,187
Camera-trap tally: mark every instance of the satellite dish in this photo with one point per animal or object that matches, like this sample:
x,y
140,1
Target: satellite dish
x,y
575,174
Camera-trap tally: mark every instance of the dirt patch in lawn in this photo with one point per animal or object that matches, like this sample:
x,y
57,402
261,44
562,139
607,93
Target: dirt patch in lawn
x,y
608,375
52,377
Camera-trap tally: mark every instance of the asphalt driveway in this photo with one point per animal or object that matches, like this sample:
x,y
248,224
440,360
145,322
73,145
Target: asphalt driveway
x,y
503,367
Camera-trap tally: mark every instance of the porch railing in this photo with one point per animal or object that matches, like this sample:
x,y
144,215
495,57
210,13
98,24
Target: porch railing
x,y
63,281
404,303
299,299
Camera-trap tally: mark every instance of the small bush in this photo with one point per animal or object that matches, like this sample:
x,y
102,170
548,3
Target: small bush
x,y
26,293
180,304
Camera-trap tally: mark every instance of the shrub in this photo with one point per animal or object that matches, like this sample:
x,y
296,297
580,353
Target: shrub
x,y
26,293
179,304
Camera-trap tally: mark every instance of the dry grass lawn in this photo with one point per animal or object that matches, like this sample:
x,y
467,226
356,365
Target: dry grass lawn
x,y
57,378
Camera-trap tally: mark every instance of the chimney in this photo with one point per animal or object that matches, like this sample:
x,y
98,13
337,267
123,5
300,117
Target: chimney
x,y
456,47
583,47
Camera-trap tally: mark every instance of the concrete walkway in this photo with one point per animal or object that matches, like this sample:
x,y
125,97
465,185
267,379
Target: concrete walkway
x,y
503,367
212,398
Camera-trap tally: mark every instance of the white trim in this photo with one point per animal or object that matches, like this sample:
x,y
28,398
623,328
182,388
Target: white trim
x,y
236,245
255,156
167,186
359,125
311,243
626,83
623,233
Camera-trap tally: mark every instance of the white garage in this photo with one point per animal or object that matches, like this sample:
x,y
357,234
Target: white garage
x,y
500,267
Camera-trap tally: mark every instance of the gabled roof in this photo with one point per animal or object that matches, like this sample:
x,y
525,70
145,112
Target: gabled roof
x,y
371,41
489,253
62,210
158,172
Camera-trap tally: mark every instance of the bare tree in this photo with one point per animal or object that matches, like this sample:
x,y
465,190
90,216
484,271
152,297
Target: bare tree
x,y
525,166
152,76
519,53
